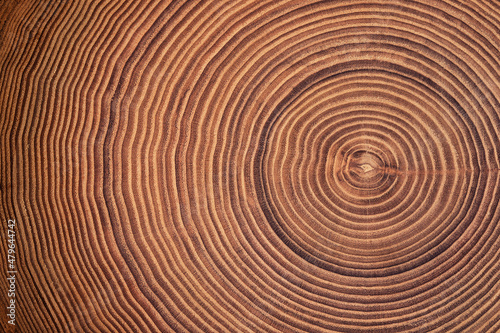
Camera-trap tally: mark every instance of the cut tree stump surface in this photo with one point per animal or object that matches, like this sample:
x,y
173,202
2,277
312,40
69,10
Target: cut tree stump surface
x,y
250,166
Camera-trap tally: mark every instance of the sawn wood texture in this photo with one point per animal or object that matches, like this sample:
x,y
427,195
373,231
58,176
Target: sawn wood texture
x,y
251,166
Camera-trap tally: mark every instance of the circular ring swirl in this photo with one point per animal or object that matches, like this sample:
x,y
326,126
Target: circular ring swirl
x,y
254,166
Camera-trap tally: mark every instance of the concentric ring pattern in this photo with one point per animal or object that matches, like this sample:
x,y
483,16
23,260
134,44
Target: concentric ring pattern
x,y
252,166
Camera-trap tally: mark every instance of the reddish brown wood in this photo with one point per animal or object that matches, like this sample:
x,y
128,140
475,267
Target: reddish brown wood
x,y
251,166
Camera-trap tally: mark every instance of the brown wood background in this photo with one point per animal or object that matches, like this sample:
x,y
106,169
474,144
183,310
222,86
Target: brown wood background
x,y
251,166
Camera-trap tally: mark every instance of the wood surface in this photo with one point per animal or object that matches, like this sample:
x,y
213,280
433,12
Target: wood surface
x,y
251,166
